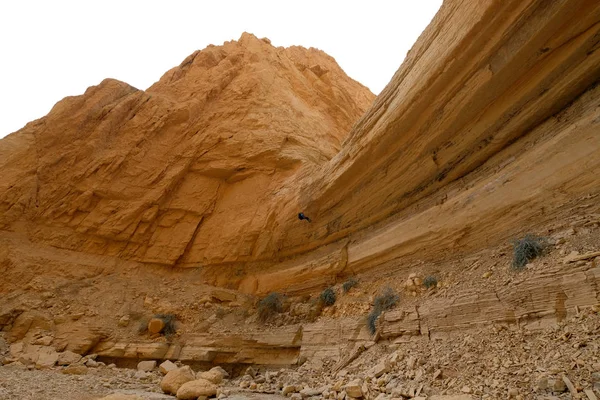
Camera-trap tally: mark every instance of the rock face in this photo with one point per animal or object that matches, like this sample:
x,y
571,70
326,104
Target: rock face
x,y
158,175
489,129
473,136
194,389
211,164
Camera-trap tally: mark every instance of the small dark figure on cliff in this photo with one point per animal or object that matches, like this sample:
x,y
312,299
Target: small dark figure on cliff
x,y
301,216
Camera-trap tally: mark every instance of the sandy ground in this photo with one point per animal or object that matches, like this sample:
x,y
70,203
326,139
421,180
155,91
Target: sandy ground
x,y
20,383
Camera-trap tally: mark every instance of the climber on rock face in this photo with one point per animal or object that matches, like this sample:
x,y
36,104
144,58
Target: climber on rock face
x,y
301,216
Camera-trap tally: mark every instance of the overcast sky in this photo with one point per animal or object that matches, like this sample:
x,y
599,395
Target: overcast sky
x,y
52,49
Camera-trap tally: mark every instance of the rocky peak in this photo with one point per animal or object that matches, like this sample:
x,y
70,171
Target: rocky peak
x,y
160,175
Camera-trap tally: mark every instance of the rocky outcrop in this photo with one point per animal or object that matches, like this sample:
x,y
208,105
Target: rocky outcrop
x,y
162,175
279,347
210,165
489,129
488,125
547,298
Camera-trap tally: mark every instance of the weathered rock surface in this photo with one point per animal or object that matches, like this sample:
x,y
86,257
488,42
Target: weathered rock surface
x,y
171,383
280,346
488,129
158,175
166,367
68,357
146,365
444,161
212,376
193,389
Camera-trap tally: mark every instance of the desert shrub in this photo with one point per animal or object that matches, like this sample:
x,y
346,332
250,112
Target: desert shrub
x,y
372,320
384,301
269,306
328,297
169,320
349,284
220,312
430,281
143,326
527,249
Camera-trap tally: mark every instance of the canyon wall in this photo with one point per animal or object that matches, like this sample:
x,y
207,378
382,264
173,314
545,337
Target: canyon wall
x,y
489,129
181,172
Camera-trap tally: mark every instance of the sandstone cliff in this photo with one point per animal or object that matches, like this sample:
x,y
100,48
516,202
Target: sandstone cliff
x,y
487,131
488,127
183,171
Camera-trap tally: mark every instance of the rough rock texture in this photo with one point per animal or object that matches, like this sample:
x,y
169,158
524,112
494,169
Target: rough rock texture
x,y
159,175
211,164
166,367
68,357
212,376
487,131
146,365
193,389
490,122
174,379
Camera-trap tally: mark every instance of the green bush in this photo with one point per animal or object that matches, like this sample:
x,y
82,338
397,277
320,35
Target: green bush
x,y
328,297
527,249
383,302
430,281
349,284
269,306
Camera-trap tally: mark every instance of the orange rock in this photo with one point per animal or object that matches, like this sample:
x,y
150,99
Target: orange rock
x,y
155,325
193,389
211,164
174,379
161,175
490,122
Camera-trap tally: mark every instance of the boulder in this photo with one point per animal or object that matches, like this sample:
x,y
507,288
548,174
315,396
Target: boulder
x,y
171,383
68,357
141,375
146,365
47,357
223,373
310,392
193,389
212,376
380,369
166,367
288,389
91,363
251,372
354,389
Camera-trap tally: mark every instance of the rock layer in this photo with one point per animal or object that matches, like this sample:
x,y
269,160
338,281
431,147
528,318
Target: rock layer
x,y
492,117
489,129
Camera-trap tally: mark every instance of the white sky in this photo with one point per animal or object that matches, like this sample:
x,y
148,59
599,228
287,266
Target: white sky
x,y
50,49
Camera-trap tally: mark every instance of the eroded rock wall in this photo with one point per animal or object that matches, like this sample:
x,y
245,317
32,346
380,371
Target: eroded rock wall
x,y
179,173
